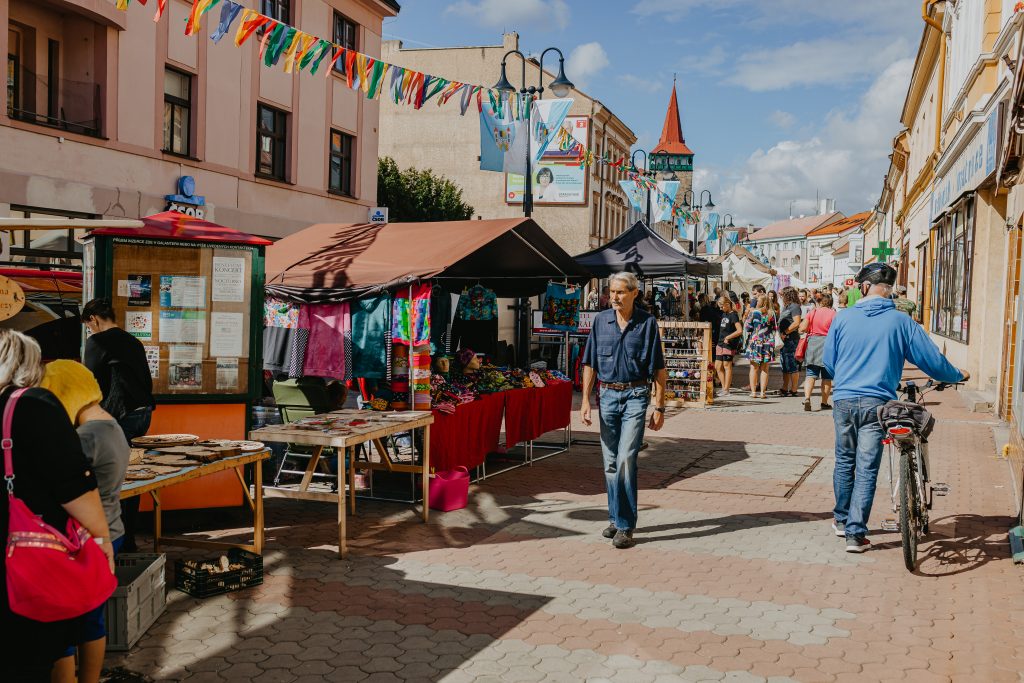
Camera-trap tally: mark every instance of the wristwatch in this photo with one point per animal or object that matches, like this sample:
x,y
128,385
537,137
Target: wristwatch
x,y
659,410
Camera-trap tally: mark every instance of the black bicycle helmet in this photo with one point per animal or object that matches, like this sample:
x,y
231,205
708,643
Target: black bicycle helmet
x,y
877,274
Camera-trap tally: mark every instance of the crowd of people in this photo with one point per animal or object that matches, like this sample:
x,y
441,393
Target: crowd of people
x,y
70,451
789,326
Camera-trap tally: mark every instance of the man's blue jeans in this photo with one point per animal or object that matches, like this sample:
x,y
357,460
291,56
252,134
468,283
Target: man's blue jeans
x,y
858,455
623,416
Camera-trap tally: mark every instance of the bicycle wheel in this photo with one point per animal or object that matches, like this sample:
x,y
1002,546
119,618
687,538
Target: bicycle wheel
x,y
909,510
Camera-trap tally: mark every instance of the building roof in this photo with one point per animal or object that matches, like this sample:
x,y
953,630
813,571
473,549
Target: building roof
x,y
172,225
839,227
844,249
672,140
794,227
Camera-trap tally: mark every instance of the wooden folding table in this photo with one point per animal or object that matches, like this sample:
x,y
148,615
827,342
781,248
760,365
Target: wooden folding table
x,y
254,499
371,427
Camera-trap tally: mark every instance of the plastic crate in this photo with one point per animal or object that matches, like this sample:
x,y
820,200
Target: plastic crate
x,y
202,583
139,599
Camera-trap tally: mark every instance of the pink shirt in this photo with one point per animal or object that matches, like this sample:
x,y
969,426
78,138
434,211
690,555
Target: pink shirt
x,y
819,320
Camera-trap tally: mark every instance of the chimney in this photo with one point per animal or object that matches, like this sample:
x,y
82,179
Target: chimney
x,y
510,41
826,206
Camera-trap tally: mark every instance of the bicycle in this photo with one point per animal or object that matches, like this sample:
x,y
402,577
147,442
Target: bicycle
x,y
912,481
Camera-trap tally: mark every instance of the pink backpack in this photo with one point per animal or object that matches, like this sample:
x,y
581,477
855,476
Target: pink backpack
x,y
50,576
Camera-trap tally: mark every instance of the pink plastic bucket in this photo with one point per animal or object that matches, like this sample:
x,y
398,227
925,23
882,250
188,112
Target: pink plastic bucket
x,y
449,490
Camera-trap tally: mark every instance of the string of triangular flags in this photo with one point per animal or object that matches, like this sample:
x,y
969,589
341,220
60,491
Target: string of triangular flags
x,y
565,142
300,51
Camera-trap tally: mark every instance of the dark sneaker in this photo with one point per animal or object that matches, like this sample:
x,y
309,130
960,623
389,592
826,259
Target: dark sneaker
x,y
623,539
826,406
857,544
609,532
807,406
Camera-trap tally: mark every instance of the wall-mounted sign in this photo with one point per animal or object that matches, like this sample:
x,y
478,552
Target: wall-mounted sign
x,y
976,163
12,298
378,215
187,201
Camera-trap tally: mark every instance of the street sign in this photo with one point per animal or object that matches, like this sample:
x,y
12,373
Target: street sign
x,y
379,215
883,252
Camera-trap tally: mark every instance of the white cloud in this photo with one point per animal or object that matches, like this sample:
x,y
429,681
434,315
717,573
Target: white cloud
x,y
783,119
827,61
867,14
585,62
511,15
845,159
639,83
708,63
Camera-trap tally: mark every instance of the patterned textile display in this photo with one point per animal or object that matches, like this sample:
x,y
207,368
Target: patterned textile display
x,y
440,321
477,303
297,353
414,316
278,313
562,307
419,376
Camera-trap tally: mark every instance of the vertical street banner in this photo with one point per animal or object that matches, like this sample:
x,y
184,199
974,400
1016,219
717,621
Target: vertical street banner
x,y
546,119
710,224
635,194
666,197
503,138
687,231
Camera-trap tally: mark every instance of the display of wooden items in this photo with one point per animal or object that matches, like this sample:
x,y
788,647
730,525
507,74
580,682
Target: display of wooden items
x,y
689,361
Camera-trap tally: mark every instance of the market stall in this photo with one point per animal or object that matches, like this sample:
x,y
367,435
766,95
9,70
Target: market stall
x,y
407,295
642,251
192,292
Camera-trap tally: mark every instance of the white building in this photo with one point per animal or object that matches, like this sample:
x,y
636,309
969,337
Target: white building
x,y
784,244
821,243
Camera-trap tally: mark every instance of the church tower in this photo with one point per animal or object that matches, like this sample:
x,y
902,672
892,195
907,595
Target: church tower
x,y
672,155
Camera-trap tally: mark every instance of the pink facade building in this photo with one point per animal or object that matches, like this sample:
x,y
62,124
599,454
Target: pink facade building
x,y
104,110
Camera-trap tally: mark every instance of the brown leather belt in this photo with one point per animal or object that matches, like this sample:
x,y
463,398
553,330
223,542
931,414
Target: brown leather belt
x,y
622,386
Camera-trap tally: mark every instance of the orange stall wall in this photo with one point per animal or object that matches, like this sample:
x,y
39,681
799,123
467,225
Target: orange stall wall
x,y
207,421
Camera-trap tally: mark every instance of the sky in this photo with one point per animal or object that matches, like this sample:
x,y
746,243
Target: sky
x,y
782,101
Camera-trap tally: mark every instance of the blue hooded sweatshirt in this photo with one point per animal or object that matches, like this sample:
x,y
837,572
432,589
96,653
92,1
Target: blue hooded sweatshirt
x,y
868,345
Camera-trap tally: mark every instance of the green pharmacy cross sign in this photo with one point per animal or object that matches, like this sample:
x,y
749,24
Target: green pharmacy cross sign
x,y
883,252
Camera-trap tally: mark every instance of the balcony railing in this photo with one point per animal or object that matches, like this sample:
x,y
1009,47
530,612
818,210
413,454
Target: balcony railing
x,y
69,105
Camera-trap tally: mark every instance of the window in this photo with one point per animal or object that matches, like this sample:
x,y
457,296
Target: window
x,y
12,84
177,112
340,179
45,247
53,79
277,9
951,282
345,36
271,137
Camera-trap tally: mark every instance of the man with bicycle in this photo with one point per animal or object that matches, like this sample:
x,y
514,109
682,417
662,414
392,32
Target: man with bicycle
x,y
865,351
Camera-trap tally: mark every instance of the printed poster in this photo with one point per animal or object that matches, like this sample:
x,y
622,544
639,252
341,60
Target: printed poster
x,y
227,373
553,183
185,367
228,279
182,291
184,327
153,360
226,334
140,290
139,324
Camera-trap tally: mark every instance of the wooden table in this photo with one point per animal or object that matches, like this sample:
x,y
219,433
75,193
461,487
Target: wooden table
x,y
153,486
378,425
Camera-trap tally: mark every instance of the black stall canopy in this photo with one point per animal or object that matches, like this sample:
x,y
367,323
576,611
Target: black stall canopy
x,y
336,262
642,251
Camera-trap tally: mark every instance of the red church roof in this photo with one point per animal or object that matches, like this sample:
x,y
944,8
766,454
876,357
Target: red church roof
x,y
672,133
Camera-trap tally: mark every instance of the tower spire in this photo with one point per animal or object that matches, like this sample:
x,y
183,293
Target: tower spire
x,y
672,140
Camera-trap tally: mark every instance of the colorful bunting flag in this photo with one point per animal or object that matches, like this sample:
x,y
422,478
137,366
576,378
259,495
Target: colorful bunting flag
x,y
229,11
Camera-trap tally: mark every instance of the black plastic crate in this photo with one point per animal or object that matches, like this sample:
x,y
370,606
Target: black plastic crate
x,y
202,583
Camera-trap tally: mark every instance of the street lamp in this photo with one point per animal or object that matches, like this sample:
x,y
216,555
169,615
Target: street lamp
x,y
560,87
632,163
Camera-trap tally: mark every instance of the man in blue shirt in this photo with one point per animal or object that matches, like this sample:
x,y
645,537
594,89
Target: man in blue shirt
x,y
623,352
865,351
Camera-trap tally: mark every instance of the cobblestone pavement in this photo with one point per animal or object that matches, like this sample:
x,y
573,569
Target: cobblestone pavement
x,y
736,575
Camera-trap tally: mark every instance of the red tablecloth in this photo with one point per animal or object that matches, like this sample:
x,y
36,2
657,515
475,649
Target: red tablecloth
x,y
466,436
531,413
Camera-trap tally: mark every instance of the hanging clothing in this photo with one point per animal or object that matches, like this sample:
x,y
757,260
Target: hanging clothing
x,y
276,345
296,360
562,307
325,352
371,322
411,316
279,313
440,321
477,303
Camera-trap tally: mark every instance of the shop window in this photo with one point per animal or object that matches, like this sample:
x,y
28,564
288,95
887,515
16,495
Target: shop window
x,y
951,281
177,112
340,180
271,141
277,9
344,36
45,247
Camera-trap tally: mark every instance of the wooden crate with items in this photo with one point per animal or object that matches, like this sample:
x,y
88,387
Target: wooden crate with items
x,y
688,359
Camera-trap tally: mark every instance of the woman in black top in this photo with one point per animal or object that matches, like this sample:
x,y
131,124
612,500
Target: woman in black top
x,y
52,477
789,326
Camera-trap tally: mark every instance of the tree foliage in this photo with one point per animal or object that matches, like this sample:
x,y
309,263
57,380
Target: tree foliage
x,y
414,196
